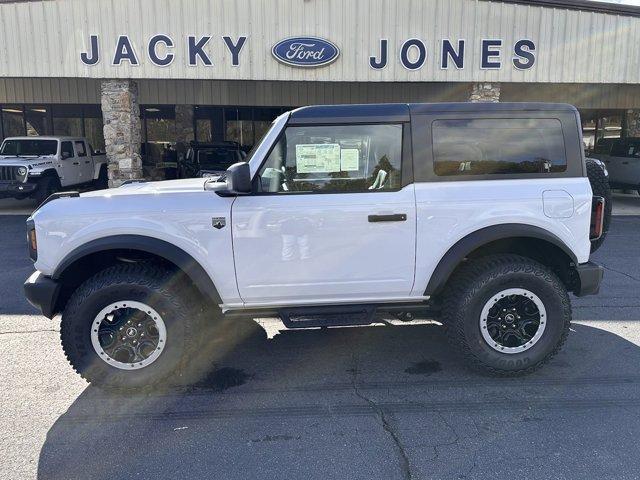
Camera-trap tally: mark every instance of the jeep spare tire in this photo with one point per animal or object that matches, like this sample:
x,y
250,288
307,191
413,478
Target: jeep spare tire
x,y
600,187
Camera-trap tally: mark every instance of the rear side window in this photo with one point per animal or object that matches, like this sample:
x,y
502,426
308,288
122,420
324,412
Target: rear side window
x,y
625,149
486,146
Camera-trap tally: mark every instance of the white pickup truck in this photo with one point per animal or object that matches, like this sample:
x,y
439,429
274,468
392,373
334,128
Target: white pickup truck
x,y
36,167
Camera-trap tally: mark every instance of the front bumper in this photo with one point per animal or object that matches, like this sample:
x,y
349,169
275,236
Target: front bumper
x,y
42,292
14,189
589,276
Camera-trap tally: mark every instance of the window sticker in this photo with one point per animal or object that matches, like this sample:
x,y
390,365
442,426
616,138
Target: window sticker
x,y
318,158
349,159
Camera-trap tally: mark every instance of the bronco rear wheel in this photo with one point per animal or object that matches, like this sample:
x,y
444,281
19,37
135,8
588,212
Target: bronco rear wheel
x,y
132,326
506,314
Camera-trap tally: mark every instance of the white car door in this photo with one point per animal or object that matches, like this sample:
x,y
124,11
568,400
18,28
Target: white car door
x,y
85,167
623,163
333,219
69,164
630,164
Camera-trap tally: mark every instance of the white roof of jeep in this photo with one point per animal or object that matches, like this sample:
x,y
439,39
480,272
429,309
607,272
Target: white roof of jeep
x,y
47,137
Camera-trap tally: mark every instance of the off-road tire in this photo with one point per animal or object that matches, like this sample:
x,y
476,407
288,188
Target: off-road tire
x,y
46,186
600,187
475,283
161,288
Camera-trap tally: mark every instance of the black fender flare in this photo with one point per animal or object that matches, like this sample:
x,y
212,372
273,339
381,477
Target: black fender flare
x,y
477,239
181,259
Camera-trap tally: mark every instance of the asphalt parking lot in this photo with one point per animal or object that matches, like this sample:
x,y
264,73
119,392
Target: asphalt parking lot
x,y
376,402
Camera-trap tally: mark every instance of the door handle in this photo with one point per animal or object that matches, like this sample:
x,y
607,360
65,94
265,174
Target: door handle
x,y
625,163
86,161
394,217
76,163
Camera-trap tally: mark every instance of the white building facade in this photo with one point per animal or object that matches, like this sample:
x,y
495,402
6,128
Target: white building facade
x,y
138,76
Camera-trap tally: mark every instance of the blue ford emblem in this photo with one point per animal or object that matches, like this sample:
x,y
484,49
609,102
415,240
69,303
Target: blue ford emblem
x,y
305,51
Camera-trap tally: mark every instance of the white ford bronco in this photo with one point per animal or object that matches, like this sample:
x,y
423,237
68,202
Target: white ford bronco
x,y
36,167
480,216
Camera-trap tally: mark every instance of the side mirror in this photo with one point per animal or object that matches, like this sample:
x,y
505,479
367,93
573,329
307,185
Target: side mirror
x,y
66,155
238,180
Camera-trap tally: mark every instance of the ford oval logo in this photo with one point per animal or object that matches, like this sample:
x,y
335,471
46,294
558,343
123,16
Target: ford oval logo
x,y
305,51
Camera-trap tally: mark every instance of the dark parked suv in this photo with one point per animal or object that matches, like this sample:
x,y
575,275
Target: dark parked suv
x,y
209,159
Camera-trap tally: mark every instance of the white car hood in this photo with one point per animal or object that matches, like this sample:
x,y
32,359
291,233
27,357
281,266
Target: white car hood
x,y
147,188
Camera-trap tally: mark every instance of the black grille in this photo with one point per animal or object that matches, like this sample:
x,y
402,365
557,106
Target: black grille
x,y
8,173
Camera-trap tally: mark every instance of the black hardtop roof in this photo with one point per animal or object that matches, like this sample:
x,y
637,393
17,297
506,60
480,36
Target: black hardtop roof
x,y
400,112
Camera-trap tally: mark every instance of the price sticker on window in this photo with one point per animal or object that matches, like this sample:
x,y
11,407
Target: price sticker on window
x,y
318,158
349,159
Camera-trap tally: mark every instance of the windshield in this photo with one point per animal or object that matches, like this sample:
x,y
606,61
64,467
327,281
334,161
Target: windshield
x,y
218,158
29,147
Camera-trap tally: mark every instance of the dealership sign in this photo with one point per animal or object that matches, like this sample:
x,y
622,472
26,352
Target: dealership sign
x,y
413,53
305,51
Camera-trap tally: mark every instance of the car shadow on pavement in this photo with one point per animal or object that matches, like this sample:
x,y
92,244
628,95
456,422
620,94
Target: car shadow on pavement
x,y
370,402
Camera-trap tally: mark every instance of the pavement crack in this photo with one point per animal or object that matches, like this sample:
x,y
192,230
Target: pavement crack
x,y
636,279
474,465
13,332
456,437
405,465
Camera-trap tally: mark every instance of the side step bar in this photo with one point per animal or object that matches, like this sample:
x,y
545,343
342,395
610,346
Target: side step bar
x,y
338,315
351,315
333,316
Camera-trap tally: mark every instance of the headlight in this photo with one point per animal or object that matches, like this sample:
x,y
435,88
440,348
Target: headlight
x,y
22,171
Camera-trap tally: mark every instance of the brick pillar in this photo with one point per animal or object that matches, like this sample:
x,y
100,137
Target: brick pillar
x,y
633,123
122,130
485,92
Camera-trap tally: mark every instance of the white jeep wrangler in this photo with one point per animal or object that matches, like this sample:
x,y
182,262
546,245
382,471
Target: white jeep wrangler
x,y
36,167
478,215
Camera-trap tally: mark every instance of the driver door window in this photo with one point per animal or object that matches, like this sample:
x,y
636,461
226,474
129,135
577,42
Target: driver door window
x,y
334,158
66,150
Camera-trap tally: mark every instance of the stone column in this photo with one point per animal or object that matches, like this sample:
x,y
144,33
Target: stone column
x,y
122,130
485,92
633,123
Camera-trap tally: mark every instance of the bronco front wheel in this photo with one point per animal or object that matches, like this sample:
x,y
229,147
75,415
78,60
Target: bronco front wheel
x,y
130,326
